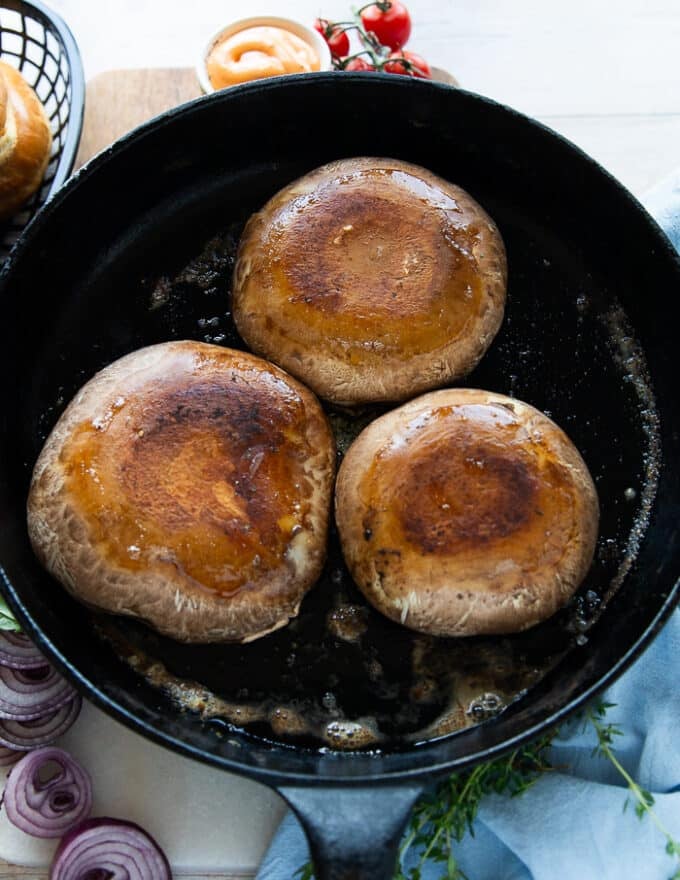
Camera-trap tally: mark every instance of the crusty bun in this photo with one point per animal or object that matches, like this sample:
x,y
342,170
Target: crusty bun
x,y
370,280
188,485
25,141
466,512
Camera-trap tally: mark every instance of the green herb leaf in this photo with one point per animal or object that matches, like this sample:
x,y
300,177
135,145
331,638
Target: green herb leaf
x,y
306,872
7,620
643,799
448,812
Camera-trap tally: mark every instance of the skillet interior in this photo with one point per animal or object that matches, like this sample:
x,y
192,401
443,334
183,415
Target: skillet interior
x,y
79,293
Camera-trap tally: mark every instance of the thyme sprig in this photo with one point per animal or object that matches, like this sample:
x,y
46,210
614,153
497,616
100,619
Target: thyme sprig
x,y
643,800
443,816
448,812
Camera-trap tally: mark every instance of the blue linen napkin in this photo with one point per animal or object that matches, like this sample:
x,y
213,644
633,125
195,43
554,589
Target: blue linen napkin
x,y
571,824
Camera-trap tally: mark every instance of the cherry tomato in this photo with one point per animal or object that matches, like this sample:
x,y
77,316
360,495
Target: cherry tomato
x,y
359,64
415,65
392,27
337,39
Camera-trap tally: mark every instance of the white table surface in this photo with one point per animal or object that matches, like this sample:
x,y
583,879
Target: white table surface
x,y
605,74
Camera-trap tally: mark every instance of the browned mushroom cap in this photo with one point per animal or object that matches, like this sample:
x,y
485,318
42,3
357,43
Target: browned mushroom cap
x,y
466,512
370,280
188,485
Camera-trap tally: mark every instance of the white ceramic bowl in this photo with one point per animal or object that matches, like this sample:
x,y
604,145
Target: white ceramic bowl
x,y
309,35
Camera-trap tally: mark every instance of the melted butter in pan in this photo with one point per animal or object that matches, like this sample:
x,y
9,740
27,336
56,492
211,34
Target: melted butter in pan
x,y
445,686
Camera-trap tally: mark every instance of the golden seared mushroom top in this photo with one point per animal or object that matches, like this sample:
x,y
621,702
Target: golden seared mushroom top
x,y
371,280
466,512
202,469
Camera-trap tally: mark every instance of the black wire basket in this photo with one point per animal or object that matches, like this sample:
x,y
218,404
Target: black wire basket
x,y
37,42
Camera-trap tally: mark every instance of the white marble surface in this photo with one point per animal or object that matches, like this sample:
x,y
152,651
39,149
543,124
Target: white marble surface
x,y
606,74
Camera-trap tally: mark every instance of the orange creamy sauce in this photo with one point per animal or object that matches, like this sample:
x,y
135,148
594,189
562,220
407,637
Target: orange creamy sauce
x,y
379,256
258,52
468,480
206,477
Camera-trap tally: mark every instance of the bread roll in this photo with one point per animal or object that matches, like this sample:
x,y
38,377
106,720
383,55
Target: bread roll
x,y
188,485
370,280
25,141
465,512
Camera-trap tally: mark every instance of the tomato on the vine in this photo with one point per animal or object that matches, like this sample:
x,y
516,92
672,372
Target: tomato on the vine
x,y
334,35
389,20
358,64
408,64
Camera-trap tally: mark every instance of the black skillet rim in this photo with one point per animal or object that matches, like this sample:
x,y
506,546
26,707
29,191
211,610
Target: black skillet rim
x,y
429,758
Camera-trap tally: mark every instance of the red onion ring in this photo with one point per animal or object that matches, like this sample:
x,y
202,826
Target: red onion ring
x,y
31,693
38,732
109,848
19,652
9,756
47,808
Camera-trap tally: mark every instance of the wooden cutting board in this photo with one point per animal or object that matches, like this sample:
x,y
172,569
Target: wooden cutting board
x,y
119,100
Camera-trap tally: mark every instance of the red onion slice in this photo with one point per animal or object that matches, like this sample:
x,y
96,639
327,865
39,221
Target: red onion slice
x,y
41,731
47,793
9,756
19,652
109,848
31,693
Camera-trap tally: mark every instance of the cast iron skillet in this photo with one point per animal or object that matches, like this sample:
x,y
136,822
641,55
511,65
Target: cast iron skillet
x,y
75,295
